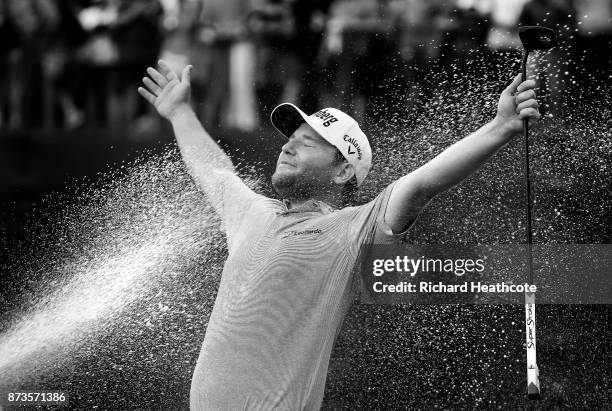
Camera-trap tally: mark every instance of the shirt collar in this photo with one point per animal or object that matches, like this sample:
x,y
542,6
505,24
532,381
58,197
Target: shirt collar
x,y
309,206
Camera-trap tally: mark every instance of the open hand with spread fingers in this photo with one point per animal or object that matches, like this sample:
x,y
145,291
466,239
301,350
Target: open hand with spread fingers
x,y
518,102
166,91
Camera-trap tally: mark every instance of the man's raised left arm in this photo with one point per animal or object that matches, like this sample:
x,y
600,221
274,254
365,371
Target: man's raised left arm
x,y
414,191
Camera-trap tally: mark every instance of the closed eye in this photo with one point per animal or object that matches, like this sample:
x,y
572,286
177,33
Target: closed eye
x,y
309,141
305,140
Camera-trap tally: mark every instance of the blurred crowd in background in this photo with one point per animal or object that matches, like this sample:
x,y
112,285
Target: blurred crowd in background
x,y
72,64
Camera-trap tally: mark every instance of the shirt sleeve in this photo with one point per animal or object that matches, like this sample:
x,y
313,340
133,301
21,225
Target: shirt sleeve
x,y
368,225
234,201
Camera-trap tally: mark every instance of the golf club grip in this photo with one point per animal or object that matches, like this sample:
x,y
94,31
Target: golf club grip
x,y
524,78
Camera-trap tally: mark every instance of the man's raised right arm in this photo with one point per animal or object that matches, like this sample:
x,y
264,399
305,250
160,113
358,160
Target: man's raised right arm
x,y
206,162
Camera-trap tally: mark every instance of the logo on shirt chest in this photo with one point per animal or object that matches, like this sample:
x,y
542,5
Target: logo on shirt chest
x,y
295,233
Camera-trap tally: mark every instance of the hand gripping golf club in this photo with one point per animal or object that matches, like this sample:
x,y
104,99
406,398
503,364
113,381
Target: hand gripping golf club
x,y
533,38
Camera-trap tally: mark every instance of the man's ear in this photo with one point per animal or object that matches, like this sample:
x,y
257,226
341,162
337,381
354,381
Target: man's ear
x,y
345,172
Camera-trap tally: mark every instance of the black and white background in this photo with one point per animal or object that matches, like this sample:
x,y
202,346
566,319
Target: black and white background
x,y
110,257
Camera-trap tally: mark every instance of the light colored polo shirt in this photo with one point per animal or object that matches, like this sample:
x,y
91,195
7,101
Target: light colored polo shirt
x,y
285,289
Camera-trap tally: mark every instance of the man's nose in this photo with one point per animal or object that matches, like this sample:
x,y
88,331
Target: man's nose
x,y
288,148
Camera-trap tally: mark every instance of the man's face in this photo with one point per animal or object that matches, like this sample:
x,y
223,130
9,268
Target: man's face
x,y
305,166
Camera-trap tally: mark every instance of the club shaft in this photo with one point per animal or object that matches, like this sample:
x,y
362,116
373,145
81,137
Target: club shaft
x,y
527,177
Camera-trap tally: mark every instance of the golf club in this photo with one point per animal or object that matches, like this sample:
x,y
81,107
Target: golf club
x,y
532,38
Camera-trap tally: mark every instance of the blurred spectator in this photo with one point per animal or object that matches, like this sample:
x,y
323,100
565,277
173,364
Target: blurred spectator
x,y
593,55
310,17
504,16
229,98
63,35
419,36
179,48
288,35
464,39
38,42
274,28
358,45
124,38
179,24
9,50
98,58
503,42
23,24
138,37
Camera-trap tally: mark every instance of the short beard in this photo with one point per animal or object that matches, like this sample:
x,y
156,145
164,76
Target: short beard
x,y
292,187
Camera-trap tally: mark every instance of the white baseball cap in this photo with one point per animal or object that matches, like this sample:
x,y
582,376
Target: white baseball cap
x,y
338,128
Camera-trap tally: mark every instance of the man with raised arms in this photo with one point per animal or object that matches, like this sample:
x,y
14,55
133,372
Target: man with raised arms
x,y
287,282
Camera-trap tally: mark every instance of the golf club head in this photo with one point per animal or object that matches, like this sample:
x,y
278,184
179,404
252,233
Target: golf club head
x,y
537,38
